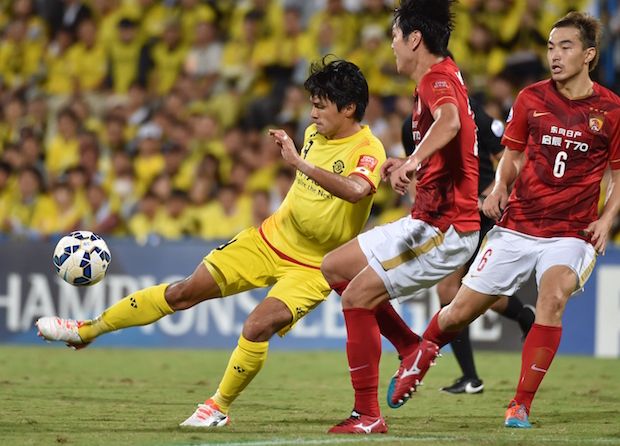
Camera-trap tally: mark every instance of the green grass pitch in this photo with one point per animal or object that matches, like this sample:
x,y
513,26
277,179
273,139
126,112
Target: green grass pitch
x,y
101,396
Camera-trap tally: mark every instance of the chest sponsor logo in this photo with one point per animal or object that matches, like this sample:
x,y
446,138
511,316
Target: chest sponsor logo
x,y
338,167
567,139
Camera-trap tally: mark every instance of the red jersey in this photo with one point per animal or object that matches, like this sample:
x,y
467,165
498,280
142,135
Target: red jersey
x,y
447,188
568,145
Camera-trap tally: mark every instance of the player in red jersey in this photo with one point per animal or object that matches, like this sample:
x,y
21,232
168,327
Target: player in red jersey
x,y
441,234
562,135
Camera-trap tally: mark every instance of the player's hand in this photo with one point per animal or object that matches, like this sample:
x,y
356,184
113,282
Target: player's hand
x,y
389,165
599,233
495,203
287,147
401,177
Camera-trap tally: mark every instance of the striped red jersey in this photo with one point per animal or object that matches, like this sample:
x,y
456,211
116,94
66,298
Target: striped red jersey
x,y
568,145
447,187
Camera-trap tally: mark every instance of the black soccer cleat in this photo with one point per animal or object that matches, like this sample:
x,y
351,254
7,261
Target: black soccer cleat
x,y
465,385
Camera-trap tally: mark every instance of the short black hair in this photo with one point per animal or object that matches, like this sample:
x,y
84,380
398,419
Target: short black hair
x,y
589,31
340,82
432,18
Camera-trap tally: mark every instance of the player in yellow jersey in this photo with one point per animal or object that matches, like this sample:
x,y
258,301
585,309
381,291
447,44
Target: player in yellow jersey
x,y
327,205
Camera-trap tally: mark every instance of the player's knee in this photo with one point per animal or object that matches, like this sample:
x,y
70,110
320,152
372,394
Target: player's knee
x,y
175,295
183,294
260,330
454,317
550,305
446,292
329,268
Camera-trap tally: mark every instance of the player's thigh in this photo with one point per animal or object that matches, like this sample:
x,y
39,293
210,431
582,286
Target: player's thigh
x,y
192,290
267,318
556,286
409,254
301,289
571,252
466,306
344,262
449,285
244,263
503,264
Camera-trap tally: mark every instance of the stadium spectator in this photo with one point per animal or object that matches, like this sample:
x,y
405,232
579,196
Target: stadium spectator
x,y
103,216
57,60
62,151
549,224
334,21
63,213
28,208
330,203
163,61
149,160
205,53
88,64
123,51
142,225
66,14
225,216
261,207
192,13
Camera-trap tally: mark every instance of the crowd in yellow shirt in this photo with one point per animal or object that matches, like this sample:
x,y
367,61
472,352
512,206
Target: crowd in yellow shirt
x,y
147,118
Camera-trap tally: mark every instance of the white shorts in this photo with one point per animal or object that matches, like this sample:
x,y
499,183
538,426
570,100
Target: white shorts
x,y
507,259
410,254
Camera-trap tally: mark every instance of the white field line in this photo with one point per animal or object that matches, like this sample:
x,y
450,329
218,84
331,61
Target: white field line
x,y
381,439
300,441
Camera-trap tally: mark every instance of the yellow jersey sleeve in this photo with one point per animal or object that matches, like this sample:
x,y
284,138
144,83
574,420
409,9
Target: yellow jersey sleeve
x,y
311,221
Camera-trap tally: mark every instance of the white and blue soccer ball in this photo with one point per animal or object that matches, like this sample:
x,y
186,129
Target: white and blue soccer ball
x,y
81,258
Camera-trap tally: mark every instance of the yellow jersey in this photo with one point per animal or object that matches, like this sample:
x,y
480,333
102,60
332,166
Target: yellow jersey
x,y
311,222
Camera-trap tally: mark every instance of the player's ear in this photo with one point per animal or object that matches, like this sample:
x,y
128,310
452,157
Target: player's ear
x,y
590,55
349,110
414,39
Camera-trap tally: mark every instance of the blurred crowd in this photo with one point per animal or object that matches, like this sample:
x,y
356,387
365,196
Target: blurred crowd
x,y
148,118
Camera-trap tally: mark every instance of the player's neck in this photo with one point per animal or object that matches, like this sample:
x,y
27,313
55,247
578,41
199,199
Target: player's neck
x,y
346,131
578,87
425,62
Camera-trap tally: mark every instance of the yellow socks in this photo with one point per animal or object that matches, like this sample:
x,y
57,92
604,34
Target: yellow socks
x,y
244,364
140,308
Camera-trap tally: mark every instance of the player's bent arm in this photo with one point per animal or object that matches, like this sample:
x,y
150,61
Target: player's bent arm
x,y
612,205
352,188
599,229
444,128
508,168
507,171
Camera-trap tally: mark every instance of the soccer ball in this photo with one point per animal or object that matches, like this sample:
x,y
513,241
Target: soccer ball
x,y
81,258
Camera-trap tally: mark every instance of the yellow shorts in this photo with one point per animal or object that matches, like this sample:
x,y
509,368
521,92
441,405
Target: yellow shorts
x,y
246,262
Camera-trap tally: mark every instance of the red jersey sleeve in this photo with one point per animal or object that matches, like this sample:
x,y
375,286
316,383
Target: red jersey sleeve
x,y
614,148
516,133
436,89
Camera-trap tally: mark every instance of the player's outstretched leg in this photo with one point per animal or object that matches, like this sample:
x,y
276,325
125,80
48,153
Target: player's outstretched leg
x,y
63,330
140,308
